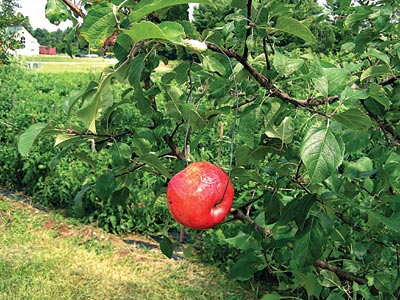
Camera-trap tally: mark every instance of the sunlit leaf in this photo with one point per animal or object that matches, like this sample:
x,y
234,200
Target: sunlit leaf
x,y
322,152
99,24
155,162
29,136
145,7
294,27
285,65
56,11
166,31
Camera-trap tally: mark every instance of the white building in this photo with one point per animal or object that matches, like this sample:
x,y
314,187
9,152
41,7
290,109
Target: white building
x,y
30,45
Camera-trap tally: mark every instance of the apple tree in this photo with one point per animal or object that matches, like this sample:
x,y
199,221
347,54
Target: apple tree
x,y
310,139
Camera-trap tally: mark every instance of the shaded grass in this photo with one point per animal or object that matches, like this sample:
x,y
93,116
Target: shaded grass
x,y
44,256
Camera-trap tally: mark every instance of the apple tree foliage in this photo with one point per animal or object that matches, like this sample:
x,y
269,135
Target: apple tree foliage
x,y
309,140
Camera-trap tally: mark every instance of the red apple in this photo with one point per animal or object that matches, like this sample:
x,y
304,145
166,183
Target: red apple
x,y
200,196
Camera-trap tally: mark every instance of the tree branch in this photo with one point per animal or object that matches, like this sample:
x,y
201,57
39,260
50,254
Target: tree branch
x,y
74,8
168,139
339,272
248,31
239,215
265,82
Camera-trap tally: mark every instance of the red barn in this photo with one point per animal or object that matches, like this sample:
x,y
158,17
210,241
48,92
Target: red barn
x,y
47,50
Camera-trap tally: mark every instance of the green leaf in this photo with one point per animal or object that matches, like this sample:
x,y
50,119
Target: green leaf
x,y
79,207
284,129
247,266
105,186
213,65
377,93
297,210
322,152
378,55
120,197
98,101
166,31
244,242
353,119
361,136
121,154
375,71
166,246
309,282
294,27
393,222
29,136
309,243
273,296
285,65
99,24
337,79
145,7
329,279
154,162
56,11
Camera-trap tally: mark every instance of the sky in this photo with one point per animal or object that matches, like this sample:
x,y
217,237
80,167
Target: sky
x,y
35,10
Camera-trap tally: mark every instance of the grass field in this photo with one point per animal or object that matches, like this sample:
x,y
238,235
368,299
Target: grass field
x,y
64,63
45,256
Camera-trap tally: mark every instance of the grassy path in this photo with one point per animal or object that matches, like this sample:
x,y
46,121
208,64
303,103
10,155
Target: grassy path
x,y
45,256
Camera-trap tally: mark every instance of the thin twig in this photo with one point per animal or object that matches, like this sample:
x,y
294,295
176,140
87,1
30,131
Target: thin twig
x,y
249,29
74,8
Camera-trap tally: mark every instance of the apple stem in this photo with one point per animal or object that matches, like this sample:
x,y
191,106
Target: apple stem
x,y
182,234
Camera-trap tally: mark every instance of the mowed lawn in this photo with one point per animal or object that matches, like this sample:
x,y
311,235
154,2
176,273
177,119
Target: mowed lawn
x,y
64,63
46,256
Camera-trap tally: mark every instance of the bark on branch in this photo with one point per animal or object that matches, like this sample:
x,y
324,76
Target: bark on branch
x,y
74,8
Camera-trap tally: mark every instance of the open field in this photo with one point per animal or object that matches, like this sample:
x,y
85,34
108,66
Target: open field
x,y
64,63
45,256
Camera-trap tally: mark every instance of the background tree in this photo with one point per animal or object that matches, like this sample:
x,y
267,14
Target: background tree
x,y
8,18
209,17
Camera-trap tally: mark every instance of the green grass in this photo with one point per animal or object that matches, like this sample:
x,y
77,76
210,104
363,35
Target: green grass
x,y
66,64
45,256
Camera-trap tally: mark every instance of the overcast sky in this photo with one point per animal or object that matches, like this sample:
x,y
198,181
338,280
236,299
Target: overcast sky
x,y
35,10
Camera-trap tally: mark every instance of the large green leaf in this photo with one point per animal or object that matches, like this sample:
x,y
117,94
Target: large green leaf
x,y
309,243
393,222
29,136
167,247
154,162
99,24
294,27
353,119
375,71
56,11
105,185
99,100
285,65
297,210
282,130
379,95
322,152
166,31
145,7
244,242
245,267
79,207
